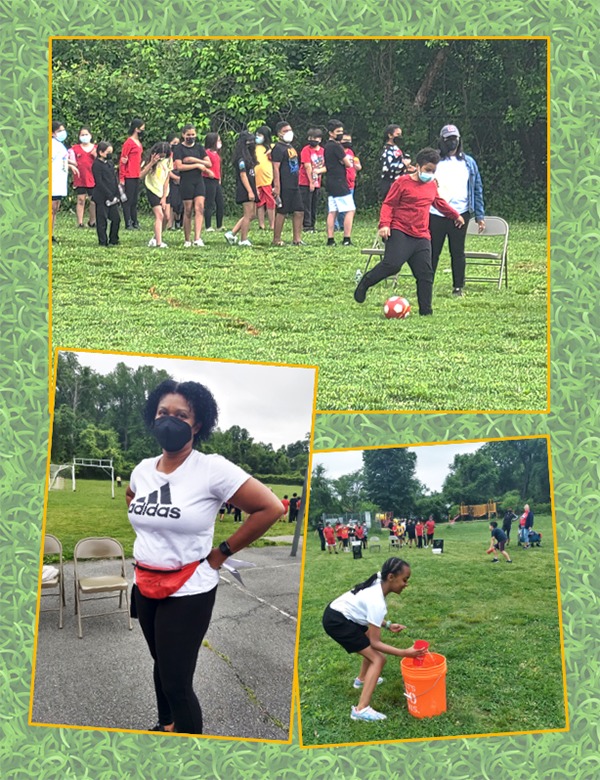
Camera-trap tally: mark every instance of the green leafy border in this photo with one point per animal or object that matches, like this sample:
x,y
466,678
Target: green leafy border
x,y
38,752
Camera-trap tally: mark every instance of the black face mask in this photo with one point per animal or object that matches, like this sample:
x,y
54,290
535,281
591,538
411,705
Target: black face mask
x,y
141,134
339,136
109,156
172,433
397,140
451,144
190,140
346,144
314,143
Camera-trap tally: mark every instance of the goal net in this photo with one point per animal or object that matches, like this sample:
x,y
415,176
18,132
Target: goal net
x,y
55,480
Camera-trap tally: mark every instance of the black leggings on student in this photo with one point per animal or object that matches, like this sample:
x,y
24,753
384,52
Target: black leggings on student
x,y
105,213
174,628
132,190
440,227
214,197
401,248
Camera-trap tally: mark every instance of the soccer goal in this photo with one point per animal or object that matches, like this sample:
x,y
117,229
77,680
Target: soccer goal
x,y
104,464
55,481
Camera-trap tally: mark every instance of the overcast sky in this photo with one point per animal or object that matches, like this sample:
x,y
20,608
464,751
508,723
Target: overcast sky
x,y
433,461
274,403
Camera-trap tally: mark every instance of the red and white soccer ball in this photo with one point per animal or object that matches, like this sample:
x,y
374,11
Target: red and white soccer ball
x,y
396,308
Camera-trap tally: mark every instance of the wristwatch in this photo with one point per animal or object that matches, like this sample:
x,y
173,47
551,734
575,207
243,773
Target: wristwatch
x,y
225,549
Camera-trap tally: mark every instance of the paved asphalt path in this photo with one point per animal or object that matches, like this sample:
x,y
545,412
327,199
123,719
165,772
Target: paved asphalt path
x,y
245,669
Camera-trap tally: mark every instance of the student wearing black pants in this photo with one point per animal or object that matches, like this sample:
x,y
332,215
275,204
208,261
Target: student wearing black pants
x,y
106,195
440,227
174,628
214,201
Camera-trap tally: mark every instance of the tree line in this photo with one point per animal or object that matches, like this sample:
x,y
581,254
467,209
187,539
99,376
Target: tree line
x,y
511,473
494,90
100,416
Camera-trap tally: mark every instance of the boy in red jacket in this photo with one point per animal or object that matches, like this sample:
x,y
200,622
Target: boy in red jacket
x,y
404,226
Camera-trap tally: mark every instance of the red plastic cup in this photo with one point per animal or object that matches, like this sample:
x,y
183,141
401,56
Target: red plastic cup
x,y
420,644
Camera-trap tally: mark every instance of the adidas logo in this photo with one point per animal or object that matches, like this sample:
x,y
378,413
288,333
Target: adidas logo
x,y
152,507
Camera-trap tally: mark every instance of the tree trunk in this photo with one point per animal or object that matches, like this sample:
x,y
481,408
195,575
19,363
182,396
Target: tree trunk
x,y
432,73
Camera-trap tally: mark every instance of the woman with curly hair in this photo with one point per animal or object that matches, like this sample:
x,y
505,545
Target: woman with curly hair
x,y
173,501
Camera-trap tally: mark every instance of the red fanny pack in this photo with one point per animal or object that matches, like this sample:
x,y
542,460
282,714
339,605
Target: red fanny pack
x,y
160,583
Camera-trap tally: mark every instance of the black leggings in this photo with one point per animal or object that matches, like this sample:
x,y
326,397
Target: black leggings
x,y
401,248
440,227
214,196
105,213
174,629
420,541
132,190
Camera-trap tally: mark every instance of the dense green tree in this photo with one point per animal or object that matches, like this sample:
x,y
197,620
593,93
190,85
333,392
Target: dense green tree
x,y
389,479
472,479
322,496
523,466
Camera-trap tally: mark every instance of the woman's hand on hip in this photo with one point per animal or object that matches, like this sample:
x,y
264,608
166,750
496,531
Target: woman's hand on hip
x,y
215,558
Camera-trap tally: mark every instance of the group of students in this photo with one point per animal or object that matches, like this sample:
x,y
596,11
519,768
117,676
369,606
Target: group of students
x,y
418,531
341,536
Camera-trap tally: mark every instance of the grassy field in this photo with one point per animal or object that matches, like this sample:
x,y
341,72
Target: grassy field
x,y
496,624
486,351
90,511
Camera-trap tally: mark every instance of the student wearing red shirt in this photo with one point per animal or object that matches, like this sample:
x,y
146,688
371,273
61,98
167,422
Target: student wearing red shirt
x,y
212,183
344,537
83,181
419,531
312,165
355,165
404,226
286,505
129,172
430,526
329,538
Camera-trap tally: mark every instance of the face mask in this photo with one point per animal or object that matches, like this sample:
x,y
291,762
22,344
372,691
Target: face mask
x,y
141,134
109,156
219,144
61,135
314,143
190,140
288,137
259,139
451,144
172,433
425,177
85,139
347,144
397,140
339,136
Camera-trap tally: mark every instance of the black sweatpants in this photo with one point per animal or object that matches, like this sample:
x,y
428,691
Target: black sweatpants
x,y
174,629
132,190
103,214
310,201
384,187
213,198
440,227
420,541
322,538
401,248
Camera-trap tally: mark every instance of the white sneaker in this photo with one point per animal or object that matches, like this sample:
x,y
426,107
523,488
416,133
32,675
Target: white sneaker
x,y
210,230
230,238
367,714
245,243
359,683
187,243
152,242
163,246
198,242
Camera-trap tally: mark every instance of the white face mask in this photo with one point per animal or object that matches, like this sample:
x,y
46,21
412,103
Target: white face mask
x,y
288,137
85,139
219,144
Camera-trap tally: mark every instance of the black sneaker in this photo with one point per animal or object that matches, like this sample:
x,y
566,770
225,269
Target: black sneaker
x,y
361,291
509,561
331,242
137,226
81,226
457,292
495,560
130,226
347,242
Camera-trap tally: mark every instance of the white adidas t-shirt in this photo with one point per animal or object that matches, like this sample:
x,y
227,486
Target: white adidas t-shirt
x,y
452,176
60,169
174,514
367,607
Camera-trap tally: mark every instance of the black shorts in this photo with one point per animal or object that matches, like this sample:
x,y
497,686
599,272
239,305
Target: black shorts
x,y
499,546
345,542
58,197
291,200
350,635
153,199
84,191
189,190
429,537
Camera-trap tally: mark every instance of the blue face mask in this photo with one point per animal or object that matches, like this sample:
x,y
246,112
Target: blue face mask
x,y
425,177
61,135
258,139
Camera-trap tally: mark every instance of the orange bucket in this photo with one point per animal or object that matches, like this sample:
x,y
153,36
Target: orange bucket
x,y
425,686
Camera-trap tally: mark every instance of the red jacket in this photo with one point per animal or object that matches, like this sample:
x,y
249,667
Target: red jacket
x,y
131,169
407,205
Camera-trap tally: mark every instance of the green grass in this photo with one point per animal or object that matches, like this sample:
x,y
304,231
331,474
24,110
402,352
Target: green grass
x,y
295,305
90,511
497,626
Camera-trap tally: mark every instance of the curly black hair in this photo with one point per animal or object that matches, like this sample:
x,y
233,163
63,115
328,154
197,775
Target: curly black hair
x,y
199,398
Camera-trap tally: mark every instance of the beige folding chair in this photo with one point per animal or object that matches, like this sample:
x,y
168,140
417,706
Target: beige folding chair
x,y
374,542
100,547
394,543
494,226
53,547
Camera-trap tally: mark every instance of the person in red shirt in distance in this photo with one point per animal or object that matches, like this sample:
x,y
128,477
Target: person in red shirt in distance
x,y
430,527
83,180
329,538
129,171
286,505
404,226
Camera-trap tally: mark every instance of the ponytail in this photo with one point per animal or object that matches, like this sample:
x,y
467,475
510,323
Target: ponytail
x,y
391,566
